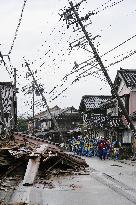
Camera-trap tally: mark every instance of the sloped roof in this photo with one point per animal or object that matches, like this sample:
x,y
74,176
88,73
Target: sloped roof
x,y
45,114
108,104
69,110
56,111
101,121
93,101
128,75
6,83
133,116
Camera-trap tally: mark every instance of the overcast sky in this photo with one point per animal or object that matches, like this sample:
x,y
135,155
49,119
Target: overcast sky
x,y
41,31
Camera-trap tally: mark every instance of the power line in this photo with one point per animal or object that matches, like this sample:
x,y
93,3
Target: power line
x,y
44,99
74,15
18,25
131,53
119,45
5,65
109,50
96,72
93,60
104,6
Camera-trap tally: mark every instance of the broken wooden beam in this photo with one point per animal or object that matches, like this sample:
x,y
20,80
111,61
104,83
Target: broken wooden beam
x,y
33,165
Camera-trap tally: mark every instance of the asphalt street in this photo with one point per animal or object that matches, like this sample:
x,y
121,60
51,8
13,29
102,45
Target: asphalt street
x,y
106,182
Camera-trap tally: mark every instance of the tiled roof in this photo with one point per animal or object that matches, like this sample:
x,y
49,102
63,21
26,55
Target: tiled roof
x,y
94,101
128,75
133,116
109,104
6,83
56,111
101,121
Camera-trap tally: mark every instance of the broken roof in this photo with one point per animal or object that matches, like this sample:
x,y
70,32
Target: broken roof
x,y
89,102
128,75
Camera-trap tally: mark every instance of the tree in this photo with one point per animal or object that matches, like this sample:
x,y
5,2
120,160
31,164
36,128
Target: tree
x,y
82,107
22,124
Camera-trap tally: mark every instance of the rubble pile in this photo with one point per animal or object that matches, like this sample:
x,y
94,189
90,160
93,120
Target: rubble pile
x,y
5,157
7,187
11,158
55,162
48,160
52,157
34,160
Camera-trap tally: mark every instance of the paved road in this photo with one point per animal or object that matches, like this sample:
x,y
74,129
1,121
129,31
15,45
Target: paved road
x,y
117,175
104,185
123,171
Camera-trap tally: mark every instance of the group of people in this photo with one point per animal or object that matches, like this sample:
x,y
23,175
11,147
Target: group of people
x,y
82,146
107,149
101,147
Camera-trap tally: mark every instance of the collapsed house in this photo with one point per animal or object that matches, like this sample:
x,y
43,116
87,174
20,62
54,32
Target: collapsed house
x,y
31,159
34,163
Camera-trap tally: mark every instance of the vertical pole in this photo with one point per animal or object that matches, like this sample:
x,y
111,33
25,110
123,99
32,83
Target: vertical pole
x,y
15,100
2,114
33,107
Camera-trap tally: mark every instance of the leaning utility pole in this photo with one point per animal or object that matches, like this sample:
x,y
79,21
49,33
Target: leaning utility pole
x,y
44,100
72,13
31,90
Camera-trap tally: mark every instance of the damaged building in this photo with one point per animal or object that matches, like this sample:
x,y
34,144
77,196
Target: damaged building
x,y
8,107
67,118
102,115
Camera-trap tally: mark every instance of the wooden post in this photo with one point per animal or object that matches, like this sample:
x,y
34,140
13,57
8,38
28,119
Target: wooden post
x,y
33,165
2,114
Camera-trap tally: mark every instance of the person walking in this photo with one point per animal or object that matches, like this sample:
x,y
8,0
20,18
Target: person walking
x,y
116,149
102,148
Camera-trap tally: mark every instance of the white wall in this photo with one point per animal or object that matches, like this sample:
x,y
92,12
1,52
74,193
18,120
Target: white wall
x,y
126,137
132,102
123,89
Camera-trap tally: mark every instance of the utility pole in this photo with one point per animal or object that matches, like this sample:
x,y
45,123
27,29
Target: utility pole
x,y
44,100
15,99
3,131
73,13
33,107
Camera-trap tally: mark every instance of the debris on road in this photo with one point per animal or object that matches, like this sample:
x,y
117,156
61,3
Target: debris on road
x,y
35,162
116,165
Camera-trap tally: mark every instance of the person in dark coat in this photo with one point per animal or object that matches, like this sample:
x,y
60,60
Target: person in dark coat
x,y
102,148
